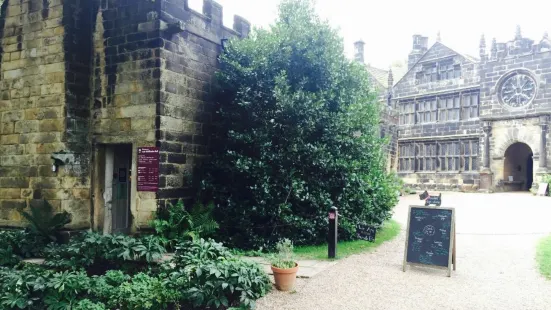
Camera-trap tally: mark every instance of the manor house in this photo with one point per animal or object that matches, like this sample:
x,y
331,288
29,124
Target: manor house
x,y
466,123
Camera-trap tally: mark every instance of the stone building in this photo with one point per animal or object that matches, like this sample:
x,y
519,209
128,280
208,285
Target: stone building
x,y
467,123
84,84
382,82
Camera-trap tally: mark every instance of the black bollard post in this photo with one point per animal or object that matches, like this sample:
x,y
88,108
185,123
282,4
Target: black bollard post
x,y
333,222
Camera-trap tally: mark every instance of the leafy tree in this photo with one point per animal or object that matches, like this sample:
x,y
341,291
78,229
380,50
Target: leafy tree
x,y
298,134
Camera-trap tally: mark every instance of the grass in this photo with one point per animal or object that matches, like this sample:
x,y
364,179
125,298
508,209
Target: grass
x,y
346,248
390,230
543,256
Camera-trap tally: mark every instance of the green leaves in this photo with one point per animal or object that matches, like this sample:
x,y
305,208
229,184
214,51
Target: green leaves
x,y
95,249
176,223
17,244
216,278
203,274
284,257
43,221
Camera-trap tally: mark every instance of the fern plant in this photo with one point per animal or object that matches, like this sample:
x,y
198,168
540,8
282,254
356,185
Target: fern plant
x,y
180,224
44,222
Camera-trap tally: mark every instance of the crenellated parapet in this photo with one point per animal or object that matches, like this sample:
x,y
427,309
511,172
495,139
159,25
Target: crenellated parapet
x,y
208,23
519,46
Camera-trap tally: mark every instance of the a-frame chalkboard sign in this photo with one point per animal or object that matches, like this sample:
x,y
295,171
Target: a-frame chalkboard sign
x,y
430,238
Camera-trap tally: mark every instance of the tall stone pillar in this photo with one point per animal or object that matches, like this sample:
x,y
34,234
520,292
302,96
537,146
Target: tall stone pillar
x,y
486,160
543,143
486,174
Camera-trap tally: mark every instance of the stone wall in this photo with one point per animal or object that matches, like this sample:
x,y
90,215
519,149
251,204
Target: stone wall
x,y
79,76
187,88
536,64
411,89
42,109
389,131
526,123
126,91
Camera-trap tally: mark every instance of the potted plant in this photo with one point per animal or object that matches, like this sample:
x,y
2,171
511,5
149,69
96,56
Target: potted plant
x,y
284,266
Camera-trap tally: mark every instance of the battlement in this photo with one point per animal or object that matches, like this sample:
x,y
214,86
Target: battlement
x,y
519,46
209,21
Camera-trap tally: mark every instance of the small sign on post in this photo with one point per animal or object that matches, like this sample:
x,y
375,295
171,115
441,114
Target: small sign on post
x,y
332,242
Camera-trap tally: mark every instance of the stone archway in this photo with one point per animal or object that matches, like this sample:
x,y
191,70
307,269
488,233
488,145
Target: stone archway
x,y
518,167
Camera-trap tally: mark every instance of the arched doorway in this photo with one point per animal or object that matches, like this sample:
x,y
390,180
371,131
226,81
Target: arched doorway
x,y
518,170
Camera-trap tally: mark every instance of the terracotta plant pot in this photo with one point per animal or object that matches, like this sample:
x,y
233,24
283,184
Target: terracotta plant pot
x,y
285,278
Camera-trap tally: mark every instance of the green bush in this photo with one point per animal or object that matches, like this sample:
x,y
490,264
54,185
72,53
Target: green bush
x,y
298,134
203,275
194,252
103,250
175,223
212,277
18,244
86,304
144,292
43,221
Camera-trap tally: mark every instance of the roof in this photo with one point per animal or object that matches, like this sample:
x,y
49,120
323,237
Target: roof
x,y
381,76
466,56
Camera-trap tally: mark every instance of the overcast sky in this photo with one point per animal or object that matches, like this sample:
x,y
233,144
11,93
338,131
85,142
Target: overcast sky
x,y
388,25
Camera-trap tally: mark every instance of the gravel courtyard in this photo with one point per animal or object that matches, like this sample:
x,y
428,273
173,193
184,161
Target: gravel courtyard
x,y
496,269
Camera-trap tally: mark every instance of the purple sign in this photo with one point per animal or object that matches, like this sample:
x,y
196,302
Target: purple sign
x,y
148,169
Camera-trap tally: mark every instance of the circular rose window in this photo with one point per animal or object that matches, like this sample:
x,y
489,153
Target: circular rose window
x,y
517,90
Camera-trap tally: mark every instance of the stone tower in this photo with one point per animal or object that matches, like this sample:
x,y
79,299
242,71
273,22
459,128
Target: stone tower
x,y
85,83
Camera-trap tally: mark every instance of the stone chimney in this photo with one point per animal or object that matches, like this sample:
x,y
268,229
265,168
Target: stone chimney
x,y
420,46
359,51
493,51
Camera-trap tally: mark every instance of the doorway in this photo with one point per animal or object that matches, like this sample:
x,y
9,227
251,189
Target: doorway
x,y
518,170
117,188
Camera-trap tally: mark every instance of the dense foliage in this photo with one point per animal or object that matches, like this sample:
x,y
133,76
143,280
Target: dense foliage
x,y
216,278
298,134
176,223
44,226
98,252
18,244
43,221
202,275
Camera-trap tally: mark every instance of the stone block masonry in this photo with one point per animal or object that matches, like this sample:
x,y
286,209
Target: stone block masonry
x,y
43,89
187,82
80,75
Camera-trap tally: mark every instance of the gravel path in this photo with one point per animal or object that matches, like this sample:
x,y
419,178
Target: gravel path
x,y
497,236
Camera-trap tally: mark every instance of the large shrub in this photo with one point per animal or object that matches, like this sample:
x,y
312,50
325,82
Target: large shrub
x,y
297,134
